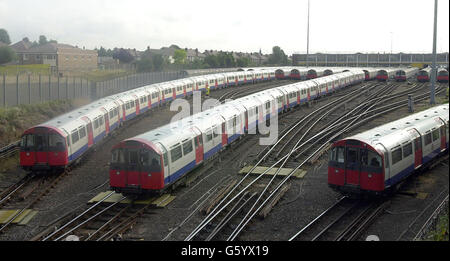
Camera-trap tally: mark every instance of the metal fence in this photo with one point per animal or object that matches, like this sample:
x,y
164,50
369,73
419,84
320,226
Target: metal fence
x,y
121,84
35,88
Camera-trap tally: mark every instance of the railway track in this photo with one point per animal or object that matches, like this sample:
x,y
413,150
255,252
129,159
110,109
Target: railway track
x,y
331,132
36,188
343,221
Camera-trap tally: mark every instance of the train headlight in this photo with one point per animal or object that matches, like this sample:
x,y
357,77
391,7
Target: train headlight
x,y
28,154
370,175
149,174
118,172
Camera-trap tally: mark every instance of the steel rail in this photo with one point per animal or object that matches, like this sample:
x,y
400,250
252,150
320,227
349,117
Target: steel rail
x,y
218,209
239,229
77,217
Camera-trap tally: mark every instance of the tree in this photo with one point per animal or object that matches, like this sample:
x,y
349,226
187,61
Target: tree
x,y
7,54
180,56
4,36
278,56
144,65
122,55
158,62
42,40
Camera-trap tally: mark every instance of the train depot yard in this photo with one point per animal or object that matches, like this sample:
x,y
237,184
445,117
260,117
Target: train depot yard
x,y
203,131
245,191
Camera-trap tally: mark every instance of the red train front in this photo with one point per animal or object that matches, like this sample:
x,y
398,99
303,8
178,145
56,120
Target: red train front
x,y
136,167
354,167
442,75
42,149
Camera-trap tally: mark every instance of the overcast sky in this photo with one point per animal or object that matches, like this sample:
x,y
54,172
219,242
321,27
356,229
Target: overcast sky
x,y
232,25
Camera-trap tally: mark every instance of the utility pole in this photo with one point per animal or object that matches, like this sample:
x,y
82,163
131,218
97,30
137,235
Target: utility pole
x,y
433,67
307,40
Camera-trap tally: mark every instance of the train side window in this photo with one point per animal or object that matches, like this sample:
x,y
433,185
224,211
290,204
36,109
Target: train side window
x,y
209,136
396,156
427,138
407,150
435,134
82,131
176,153
75,137
111,114
187,147
166,160
216,131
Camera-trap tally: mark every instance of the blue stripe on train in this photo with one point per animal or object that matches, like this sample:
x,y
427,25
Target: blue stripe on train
x,y
179,173
78,153
212,151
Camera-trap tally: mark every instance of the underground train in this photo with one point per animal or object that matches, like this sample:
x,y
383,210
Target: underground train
x,y
155,160
386,74
442,75
61,141
376,161
424,75
404,74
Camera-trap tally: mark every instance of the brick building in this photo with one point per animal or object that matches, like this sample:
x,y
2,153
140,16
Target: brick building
x,y
62,58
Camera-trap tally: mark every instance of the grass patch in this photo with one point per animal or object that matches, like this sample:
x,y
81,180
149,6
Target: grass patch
x,y
441,231
104,75
14,120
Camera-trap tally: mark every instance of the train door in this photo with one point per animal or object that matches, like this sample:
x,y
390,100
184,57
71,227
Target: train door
x,y
199,151
184,90
107,127
89,131
417,152
309,94
224,135
136,102
174,91
246,121
124,112
443,138
90,134
41,144
298,97
133,170
352,166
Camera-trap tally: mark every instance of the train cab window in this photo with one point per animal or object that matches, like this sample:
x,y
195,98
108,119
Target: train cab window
x,y
132,104
337,154
363,156
117,156
133,158
374,160
396,156
435,135
111,114
27,142
96,124
352,155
